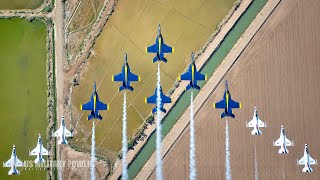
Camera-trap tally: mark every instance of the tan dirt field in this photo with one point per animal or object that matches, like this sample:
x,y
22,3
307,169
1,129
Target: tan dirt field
x,y
279,73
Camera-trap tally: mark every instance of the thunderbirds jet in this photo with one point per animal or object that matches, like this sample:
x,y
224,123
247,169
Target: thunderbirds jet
x,y
94,105
126,76
307,160
13,162
227,104
160,48
283,142
39,151
256,123
193,75
153,100
62,132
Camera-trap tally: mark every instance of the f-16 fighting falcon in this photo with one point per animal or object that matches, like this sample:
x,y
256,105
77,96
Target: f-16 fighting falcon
x,y
13,163
62,133
283,142
39,151
256,123
307,160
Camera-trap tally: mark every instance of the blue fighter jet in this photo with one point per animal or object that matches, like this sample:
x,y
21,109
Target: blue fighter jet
x,y
94,105
126,76
193,75
227,104
153,100
160,48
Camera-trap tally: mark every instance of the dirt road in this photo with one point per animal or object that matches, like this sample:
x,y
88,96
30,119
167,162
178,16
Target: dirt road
x,y
279,73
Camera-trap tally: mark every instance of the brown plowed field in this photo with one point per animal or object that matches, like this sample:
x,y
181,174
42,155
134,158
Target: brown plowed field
x,y
280,73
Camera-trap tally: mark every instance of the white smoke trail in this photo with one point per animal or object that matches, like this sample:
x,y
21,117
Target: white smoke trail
x,y
193,171
228,167
93,153
60,169
159,135
124,139
256,176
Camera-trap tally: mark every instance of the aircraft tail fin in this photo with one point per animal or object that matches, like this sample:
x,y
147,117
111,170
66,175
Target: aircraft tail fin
x,y
90,117
307,169
188,87
62,141
256,132
130,88
156,58
39,160
154,110
13,171
223,115
121,88
283,151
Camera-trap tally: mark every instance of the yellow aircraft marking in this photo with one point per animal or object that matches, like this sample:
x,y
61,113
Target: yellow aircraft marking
x,y
145,100
172,49
139,78
159,44
179,77
80,107
94,103
192,72
214,105
112,77
227,99
126,74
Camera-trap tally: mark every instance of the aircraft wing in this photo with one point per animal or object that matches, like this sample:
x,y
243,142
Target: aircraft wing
x,y
19,163
234,104
252,123
44,151
118,77
101,106
152,49
34,152
57,133
152,99
67,133
166,48
186,76
199,76
302,161
220,105
133,77
278,142
312,161
165,99
8,163
87,106
260,123
288,142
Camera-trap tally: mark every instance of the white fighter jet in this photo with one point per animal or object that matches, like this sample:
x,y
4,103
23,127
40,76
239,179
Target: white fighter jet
x,y
62,132
307,160
256,123
39,151
283,142
13,162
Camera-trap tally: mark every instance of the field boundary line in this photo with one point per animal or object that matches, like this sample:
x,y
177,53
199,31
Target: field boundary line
x,y
200,62
212,84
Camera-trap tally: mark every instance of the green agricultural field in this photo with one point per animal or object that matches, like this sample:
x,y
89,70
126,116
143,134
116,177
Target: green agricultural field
x,y
185,24
23,97
20,4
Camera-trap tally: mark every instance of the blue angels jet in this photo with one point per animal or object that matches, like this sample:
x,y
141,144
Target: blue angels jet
x,y
126,76
227,104
94,105
153,100
193,75
160,48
